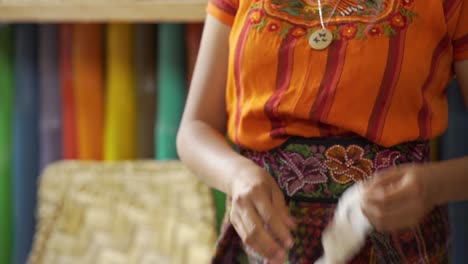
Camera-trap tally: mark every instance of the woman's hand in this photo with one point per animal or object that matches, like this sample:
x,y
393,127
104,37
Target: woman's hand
x,y
399,198
259,213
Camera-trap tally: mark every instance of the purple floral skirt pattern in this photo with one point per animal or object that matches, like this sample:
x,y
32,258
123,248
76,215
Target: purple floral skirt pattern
x,y
313,173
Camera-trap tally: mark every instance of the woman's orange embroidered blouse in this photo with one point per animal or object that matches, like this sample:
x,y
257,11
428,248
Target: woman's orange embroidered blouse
x,y
383,77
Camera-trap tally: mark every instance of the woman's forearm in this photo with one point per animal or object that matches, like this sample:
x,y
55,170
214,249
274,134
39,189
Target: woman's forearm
x,y
449,180
206,152
200,141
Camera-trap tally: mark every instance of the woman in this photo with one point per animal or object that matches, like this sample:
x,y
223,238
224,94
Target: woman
x,y
319,94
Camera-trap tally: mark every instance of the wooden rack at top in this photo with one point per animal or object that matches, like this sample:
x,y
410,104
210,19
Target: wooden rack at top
x,y
102,10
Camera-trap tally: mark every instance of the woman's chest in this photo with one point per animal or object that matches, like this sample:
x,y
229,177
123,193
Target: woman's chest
x,y
270,21
274,36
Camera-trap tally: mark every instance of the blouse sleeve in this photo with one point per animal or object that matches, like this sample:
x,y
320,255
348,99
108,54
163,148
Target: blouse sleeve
x,y
223,10
460,37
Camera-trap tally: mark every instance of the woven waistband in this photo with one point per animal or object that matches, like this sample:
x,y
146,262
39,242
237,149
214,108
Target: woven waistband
x,y
320,170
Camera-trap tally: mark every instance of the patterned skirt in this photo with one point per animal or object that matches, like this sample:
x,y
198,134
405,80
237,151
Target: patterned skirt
x,y
313,173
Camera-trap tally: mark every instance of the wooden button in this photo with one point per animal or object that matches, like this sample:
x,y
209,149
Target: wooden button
x,y
320,39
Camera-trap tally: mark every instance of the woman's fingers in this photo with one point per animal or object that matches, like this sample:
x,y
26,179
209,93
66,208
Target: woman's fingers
x,y
406,216
385,178
280,203
260,215
397,201
253,233
390,198
271,217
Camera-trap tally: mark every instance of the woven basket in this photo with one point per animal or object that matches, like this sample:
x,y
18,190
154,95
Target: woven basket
x,y
127,212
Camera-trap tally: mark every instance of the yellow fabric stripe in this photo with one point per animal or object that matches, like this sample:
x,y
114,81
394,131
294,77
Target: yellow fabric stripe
x,y
120,129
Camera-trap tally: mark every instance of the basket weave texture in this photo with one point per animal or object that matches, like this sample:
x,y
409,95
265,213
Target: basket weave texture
x,y
123,213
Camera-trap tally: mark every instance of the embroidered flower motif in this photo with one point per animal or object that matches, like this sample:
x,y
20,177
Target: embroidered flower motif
x,y
407,3
375,31
397,21
313,148
273,27
420,152
348,31
385,159
347,164
297,172
256,17
310,188
257,158
298,32
310,9
262,159
275,6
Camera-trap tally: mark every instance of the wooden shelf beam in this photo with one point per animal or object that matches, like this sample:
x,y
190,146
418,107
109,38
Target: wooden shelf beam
x,y
102,10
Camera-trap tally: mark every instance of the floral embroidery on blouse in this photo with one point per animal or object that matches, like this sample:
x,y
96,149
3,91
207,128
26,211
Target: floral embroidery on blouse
x,y
351,19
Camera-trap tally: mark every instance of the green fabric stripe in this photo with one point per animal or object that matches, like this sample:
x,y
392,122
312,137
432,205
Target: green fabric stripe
x,y
6,127
171,88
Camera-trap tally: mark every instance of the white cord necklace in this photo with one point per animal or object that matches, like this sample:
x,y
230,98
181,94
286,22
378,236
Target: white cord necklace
x,y
322,38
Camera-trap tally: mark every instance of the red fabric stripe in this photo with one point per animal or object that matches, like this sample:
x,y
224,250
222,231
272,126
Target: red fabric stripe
x,y
324,101
425,114
389,81
225,6
329,93
460,44
238,60
283,80
70,144
450,6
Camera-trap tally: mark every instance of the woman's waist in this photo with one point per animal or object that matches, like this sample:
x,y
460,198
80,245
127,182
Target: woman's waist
x,y
251,125
321,169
